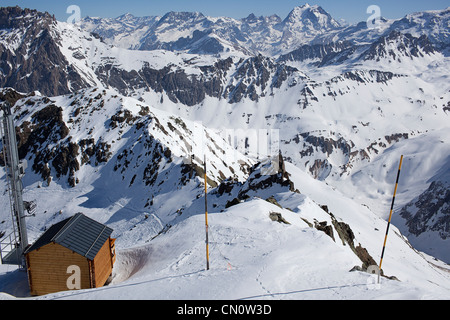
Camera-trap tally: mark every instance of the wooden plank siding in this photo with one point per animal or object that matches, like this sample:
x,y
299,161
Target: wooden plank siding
x,y
47,269
102,265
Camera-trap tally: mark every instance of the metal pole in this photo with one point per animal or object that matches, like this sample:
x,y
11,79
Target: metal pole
x,y
14,173
390,216
206,217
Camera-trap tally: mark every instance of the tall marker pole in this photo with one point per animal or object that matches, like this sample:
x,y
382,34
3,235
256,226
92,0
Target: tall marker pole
x,y
206,217
390,216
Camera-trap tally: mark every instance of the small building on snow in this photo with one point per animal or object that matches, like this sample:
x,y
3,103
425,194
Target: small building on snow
x,y
77,250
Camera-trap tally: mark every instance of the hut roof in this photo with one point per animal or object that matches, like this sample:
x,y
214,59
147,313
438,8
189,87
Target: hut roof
x,y
79,233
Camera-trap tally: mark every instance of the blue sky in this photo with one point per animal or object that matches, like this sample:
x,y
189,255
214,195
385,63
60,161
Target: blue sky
x,y
350,10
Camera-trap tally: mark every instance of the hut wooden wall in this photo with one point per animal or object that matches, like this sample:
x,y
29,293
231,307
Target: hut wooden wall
x,y
47,269
103,264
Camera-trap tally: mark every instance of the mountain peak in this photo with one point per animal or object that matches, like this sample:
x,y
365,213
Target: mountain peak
x,y
306,6
16,17
308,18
301,10
175,15
126,16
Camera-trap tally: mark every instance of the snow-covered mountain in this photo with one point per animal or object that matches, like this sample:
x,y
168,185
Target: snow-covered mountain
x,y
94,112
118,30
433,24
270,243
196,33
30,53
271,35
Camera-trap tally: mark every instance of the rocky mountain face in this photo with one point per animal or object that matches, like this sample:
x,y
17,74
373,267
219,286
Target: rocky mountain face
x,y
427,216
322,53
58,138
392,47
45,66
229,79
396,46
342,101
430,212
433,24
30,55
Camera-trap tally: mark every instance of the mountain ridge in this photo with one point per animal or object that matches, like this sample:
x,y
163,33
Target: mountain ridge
x,y
272,35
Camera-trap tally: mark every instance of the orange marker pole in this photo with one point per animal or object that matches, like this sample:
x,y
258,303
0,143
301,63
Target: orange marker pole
x,y
206,217
390,216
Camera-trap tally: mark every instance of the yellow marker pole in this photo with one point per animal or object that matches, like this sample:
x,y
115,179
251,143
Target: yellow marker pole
x,y
206,217
390,216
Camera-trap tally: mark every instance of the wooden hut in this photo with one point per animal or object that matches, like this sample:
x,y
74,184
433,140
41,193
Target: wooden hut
x,y
77,250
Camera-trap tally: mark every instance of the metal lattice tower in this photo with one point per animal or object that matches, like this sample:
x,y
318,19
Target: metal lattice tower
x,y
14,244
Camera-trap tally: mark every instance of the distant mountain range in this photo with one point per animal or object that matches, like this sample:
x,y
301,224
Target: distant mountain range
x,y
305,25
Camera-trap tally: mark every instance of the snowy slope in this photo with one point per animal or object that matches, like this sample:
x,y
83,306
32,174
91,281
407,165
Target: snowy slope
x,y
107,140
253,257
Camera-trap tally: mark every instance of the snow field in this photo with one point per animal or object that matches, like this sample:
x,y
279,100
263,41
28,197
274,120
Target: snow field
x,y
253,257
